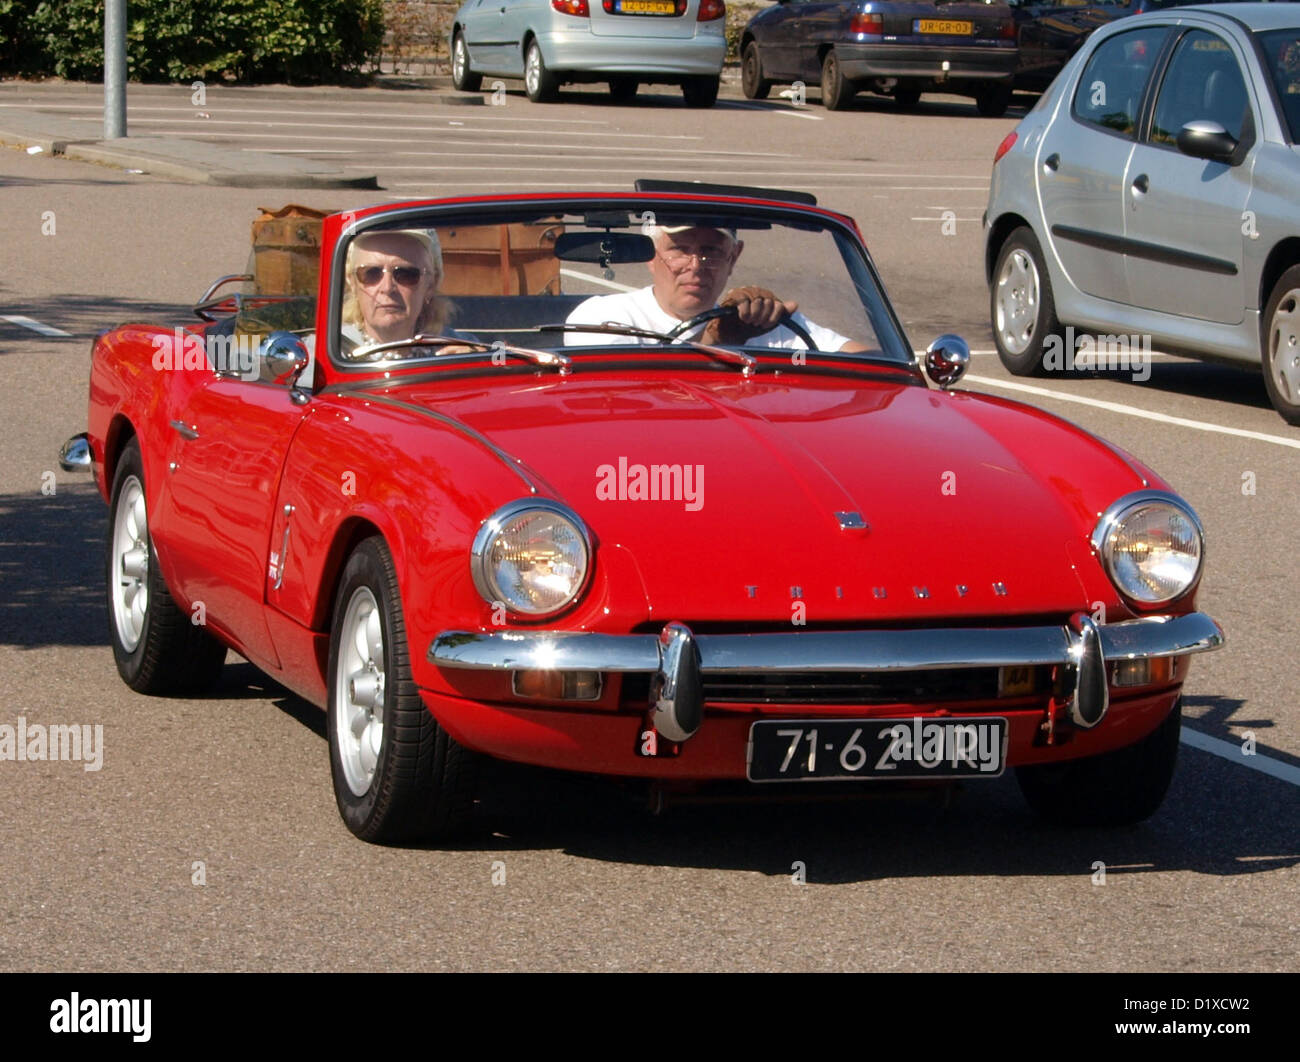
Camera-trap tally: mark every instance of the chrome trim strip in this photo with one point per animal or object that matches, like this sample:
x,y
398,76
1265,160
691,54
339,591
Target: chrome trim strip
x,y
506,459
875,650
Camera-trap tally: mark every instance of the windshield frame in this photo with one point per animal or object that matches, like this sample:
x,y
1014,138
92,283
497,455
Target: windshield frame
x,y
856,259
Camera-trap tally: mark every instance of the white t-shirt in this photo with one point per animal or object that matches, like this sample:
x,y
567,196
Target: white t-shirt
x,y
640,309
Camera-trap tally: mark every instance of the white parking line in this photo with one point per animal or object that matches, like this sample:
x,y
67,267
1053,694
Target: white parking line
x,y
202,127
1134,411
800,114
35,326
136,108
682,153
575,275
1233,754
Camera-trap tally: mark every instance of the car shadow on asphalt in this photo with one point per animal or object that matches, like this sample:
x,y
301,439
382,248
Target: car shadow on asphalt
x,y
1195,379
52,564
84,315
1215,820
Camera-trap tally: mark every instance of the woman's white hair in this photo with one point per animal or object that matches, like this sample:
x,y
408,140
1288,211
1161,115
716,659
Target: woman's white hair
x,y
433,317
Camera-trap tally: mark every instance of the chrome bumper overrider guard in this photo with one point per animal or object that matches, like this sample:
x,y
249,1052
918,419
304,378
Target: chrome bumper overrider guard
x,y
1083,644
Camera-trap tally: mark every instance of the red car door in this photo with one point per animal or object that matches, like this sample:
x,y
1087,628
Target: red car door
x,y
227,450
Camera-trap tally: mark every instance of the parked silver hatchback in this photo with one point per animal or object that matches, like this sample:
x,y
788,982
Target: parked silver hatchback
x,y
1155,191
626,43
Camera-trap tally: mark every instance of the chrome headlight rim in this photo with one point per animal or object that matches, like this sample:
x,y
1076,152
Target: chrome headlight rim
x,y
1112,520
492,526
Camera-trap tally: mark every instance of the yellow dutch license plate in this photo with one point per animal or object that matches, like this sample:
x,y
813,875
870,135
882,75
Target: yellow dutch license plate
x,y
944,25
648,7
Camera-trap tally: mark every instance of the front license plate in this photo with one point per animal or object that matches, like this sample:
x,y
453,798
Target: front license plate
x,y
943,25
645,7
836,749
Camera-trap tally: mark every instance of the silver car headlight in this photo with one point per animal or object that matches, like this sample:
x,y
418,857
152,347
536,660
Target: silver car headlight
x,y
1151,545
533,556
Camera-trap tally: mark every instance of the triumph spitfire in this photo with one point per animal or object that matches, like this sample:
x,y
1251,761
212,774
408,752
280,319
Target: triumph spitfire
x,y
645,484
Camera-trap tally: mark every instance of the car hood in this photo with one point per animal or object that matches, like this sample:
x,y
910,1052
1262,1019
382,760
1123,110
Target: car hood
x,y
736,499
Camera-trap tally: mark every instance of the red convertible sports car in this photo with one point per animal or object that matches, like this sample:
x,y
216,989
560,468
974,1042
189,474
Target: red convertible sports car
x,y
645,484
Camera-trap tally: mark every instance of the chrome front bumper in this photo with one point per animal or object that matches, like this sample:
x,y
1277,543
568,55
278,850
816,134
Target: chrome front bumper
x,y
677,658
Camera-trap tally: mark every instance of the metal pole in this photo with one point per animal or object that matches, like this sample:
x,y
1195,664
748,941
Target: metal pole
x,y
114,69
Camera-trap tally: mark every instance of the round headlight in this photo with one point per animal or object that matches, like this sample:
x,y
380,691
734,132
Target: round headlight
x,y
531,555
1152,546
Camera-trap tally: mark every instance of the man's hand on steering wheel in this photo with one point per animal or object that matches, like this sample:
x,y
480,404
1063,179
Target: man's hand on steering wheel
x,y
757,311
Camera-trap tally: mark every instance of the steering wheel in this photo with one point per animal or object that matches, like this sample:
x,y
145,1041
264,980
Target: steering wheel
x,y
730,311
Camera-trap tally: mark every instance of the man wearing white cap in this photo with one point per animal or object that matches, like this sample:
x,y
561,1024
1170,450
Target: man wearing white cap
x,y
689,271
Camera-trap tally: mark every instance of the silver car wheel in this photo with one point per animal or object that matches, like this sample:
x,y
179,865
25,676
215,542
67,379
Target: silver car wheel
x,y
359,691
533,70
1017,302
459,60
130,564
1284,346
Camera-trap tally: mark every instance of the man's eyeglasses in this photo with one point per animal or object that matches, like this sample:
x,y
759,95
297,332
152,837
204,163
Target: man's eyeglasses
x,y
406,276
709,258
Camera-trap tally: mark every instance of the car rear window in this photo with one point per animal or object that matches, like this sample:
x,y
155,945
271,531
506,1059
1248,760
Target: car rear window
x,y
1282,48
1110,88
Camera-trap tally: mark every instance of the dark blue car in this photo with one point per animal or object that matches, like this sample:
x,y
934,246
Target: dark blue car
x,y
897,48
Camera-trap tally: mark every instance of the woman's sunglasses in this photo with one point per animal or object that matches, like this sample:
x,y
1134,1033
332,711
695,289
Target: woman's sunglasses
x,y
406,276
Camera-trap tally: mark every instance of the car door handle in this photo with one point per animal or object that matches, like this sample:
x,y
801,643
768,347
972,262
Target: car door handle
x,y
186,432
1052,162
1141,183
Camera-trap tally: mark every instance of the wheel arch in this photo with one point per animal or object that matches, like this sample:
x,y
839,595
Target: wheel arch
x,y
999,232
1281,258
348,535
120,433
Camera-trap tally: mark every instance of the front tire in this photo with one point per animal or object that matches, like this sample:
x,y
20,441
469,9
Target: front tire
x,y
541,85
752,82
461,77
1021,307
397,774
1114,789
1281,346
701,91
157,648
837,90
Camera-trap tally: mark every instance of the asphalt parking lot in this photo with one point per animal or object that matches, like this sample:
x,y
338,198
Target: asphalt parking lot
x,y
208,838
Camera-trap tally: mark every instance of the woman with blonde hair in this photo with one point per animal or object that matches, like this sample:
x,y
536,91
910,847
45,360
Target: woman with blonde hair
x,y
391,291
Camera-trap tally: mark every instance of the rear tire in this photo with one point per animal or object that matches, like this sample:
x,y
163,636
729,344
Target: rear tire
x,y
398,775
623,89
1114,789
907,98
837,90
993,101
752,82
1281,346
461,77
541,85
1021,308
701,91
157,648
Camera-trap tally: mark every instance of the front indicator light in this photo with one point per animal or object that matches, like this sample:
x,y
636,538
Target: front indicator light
x,y
557,685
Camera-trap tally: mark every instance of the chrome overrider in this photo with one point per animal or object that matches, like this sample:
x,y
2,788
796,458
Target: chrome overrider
x,y
678,659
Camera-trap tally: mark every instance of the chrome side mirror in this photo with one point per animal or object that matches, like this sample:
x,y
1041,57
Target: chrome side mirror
x,y
284,357
946,359
75,455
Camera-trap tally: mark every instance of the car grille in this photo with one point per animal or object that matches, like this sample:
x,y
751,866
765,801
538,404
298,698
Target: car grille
x,y
852,687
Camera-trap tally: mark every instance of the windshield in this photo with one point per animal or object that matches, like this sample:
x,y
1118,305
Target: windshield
x,y
577,279
1282,48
